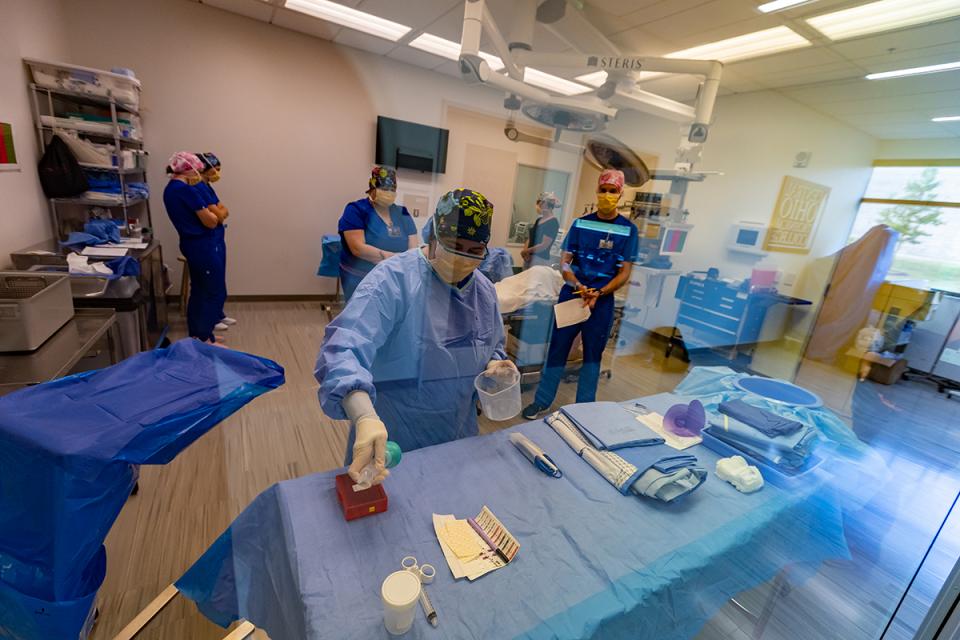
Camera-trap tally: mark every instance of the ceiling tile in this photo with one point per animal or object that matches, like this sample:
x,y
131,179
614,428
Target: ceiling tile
x,y
305,24
877,89
709,22
794,60
933,103
642,42
619,8
413,14
359,40
416,57
906,39
610,24
256,9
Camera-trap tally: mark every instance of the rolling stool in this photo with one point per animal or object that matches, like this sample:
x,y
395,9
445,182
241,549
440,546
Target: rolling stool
x,y
184,286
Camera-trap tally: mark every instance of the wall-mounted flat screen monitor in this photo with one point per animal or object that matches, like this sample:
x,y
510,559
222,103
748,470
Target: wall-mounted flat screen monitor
x,y
408,145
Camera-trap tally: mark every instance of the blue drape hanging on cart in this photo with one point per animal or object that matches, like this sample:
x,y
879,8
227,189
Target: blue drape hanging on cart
x,y
69,451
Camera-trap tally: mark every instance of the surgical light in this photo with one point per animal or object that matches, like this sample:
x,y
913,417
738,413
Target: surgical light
x,y
882,16
349,17
946,119
779,5
915,71
750,45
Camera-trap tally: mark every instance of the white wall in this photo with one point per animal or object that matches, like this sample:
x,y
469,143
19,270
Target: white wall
x,y
293,118
919,149
31,28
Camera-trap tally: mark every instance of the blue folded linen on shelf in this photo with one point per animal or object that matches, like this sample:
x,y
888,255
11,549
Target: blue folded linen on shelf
x,y
769,423
607,425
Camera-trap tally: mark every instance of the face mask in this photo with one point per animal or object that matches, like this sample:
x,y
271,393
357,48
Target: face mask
x,y
451,267
193,179
607,202
214,175
385,198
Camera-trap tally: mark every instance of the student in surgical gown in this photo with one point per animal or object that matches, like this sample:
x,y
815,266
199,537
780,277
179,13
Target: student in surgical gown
x,y
401,358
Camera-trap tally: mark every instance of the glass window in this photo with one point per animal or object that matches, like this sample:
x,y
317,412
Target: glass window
x,y
531,182
927,249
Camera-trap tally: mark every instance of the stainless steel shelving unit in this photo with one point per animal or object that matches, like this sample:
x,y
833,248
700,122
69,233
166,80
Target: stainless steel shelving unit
x,y
45,103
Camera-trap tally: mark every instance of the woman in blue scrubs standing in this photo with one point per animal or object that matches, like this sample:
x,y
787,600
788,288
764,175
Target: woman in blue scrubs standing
x,y
373,229
196,224
209,175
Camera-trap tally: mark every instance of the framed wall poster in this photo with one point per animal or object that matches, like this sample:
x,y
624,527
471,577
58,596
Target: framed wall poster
x,y
8,155
796,215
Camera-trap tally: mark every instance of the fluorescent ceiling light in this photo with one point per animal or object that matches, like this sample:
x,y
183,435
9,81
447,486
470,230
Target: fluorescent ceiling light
x,y
750,45
553,83
915,71
348,17
882,16
437,46
946,119
449,49
778,5
594,79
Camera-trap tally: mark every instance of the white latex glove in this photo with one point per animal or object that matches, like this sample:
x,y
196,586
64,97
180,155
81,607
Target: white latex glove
x,y
497,368
369,446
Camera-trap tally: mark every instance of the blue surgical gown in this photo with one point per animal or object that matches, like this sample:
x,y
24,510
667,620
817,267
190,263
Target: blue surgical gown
x,y
415,344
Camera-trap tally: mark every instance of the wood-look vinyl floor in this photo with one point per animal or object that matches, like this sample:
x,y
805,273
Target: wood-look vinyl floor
x,y
183,506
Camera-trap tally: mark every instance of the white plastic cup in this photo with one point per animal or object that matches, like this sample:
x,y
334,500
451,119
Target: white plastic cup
x,y
499,394
400,593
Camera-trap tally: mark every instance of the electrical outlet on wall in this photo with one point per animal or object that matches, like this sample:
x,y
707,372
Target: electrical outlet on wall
x,y
417,205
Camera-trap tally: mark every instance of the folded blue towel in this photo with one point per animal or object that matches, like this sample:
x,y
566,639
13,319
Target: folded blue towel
x,y
769,423
791,451
662,473
607,425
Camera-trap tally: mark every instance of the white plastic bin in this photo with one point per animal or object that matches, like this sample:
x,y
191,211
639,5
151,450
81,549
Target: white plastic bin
x,y
499,394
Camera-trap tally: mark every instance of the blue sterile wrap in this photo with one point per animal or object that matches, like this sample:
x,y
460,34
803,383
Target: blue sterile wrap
x,y
105,230
69,451
607,425
850,466
125,266
78,240
791,451
591,564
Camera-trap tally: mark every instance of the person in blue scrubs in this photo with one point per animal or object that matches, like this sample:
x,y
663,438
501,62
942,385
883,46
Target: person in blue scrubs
x,y
403,354
543,232
373,229
598,254
196,224
209,175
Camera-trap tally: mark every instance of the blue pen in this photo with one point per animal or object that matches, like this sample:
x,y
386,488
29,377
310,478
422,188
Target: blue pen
x,y
535,455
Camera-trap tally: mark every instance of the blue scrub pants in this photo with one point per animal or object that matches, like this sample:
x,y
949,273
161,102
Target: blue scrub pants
x,y
349,283
207,289
595,332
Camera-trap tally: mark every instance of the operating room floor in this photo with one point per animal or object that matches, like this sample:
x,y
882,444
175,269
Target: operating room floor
x,y
183,506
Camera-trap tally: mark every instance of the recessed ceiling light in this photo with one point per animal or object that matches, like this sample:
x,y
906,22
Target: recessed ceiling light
x,y
349,17
882,16
915,71
778,5
553,83
946,119
750,45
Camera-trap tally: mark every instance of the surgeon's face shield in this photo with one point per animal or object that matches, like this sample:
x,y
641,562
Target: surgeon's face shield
x,y
455,259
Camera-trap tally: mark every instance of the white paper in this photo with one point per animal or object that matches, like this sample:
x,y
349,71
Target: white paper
x,y
655,422
570,312
105,252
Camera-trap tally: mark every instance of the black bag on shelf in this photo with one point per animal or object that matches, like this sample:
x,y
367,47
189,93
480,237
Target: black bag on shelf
x,y
60,173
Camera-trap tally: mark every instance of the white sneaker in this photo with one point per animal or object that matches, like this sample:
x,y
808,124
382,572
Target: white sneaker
x,y
228,321
220,327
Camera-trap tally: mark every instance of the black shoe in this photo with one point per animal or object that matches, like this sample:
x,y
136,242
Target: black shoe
x,y
534,411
